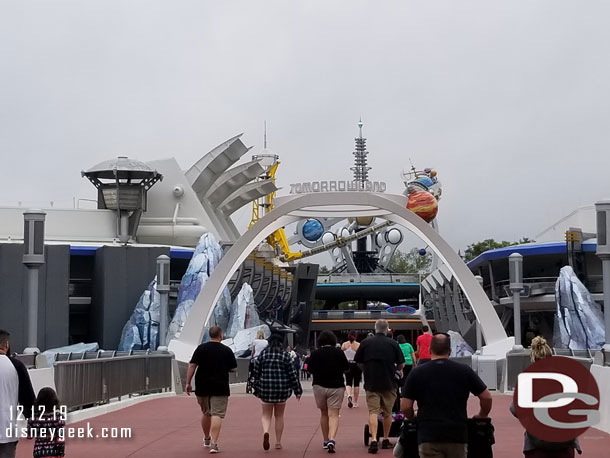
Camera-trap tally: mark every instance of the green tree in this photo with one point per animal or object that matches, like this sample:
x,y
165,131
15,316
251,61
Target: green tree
x,y
411,262
475,249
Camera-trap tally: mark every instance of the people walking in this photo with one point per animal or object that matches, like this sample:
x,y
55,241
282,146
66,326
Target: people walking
x,y
532,446
423,345
328,364
305,374
380,358
441,389
354,375
259,344
275,379
214,360
410,358
46,425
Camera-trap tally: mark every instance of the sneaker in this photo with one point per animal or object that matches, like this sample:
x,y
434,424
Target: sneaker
x,y
331,446
325,446
207,441
266,441
373,447
350,404
386,444
214,448
355,405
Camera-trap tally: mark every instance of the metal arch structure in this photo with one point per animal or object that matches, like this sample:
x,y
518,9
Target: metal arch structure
x,y
292,208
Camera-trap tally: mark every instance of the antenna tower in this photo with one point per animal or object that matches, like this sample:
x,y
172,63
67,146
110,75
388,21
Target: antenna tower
x,y
360,168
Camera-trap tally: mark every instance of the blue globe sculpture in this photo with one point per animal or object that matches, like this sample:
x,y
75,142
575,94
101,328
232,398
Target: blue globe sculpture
x,y
313,230
426,181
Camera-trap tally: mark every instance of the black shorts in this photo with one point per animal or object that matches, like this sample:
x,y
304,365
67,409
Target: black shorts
x,y
354,375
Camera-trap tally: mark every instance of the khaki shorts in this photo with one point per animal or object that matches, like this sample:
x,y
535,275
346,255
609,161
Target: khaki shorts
x,y
213,406
441,450
328,398
381,402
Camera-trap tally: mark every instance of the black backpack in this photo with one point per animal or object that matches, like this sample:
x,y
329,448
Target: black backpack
x,y
480,438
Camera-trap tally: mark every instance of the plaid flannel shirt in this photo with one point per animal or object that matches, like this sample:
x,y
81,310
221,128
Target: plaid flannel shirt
x,y
275,377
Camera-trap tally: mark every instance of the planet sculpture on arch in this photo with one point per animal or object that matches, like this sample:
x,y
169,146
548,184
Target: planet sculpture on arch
x,y
313,230
423,204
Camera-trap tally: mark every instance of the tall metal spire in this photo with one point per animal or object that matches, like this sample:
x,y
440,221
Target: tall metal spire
x,y
360,169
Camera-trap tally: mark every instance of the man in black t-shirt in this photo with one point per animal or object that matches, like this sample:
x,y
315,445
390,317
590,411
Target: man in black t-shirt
x,y
380,359
328,364
441,389
213,361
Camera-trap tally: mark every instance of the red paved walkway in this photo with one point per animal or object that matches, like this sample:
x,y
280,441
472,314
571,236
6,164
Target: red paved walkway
x,y
170,427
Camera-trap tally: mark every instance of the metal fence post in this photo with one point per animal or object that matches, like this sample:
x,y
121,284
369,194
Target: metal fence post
x,y
33,258
163,266
515,268
603,251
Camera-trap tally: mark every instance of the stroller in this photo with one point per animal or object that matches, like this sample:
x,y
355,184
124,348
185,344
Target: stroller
x,y
480,438
397,420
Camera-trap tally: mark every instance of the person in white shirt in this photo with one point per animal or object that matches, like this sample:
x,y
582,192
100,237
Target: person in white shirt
x,y
259,344
9,397
291,352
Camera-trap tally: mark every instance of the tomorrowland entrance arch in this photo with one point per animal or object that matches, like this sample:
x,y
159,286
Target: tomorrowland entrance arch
x,y
293,208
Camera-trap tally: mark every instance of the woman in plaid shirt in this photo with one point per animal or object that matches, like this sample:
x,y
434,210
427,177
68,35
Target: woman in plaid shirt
x,y
275,379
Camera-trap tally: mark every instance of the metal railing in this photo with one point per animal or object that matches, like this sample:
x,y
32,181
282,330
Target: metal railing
x,y
359,314
368,278
517,362
532,286
29,360
90,378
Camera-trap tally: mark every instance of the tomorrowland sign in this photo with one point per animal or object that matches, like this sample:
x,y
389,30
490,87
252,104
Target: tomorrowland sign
x,y
332,186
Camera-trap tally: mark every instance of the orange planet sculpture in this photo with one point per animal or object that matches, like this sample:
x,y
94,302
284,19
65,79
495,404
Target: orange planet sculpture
x,y
423,204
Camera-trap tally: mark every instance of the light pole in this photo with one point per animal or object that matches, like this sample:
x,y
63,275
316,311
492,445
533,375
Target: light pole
x,y
163,262
477,324
33,258
602,209
515,269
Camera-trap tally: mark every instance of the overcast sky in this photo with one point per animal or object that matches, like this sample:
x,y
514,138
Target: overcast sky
x,y
509,100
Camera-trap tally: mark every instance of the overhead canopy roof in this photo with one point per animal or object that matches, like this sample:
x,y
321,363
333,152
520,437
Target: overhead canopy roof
x,y
123,167
530,249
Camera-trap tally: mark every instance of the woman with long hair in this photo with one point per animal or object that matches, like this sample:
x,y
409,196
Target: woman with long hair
x,y
47,424
354,375
259,344
532,446
275,379
540,349
327,364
